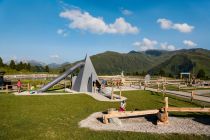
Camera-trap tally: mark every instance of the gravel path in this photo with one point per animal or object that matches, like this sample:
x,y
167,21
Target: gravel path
x,y
187,125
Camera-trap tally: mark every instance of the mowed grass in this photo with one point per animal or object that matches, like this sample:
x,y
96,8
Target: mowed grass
x,y
57,117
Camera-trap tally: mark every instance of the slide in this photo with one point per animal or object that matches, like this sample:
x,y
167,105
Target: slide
x,y
61,77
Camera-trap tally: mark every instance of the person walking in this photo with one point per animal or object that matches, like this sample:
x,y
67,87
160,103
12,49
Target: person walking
x,y
19,84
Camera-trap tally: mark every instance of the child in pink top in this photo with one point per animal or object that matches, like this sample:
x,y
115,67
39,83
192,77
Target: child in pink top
x,y
19,84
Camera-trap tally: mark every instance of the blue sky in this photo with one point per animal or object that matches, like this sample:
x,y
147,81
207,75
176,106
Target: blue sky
x,y
66,30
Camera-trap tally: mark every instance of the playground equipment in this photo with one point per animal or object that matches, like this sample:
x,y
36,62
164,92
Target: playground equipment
x,y
162,113
84,82
3,82
2,78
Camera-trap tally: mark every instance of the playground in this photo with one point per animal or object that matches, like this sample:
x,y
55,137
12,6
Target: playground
x,y
81,105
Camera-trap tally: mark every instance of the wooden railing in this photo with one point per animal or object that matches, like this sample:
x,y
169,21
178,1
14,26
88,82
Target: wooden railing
x,y
14,88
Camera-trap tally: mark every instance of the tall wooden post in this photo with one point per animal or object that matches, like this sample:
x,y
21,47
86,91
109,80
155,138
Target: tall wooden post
x,y
164,89
7,89
65,85
112,92
139,84
120,92
166,107
192,95
145,85
158,84
28,87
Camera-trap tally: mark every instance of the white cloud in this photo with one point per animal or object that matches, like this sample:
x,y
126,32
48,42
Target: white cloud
x,y
126,12
165,23
55,56
166,46
189,43
146,44
85,21
62,32
185,28
182,27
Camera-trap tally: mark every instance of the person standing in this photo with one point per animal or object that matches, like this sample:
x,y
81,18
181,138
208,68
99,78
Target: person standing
x,y
19,84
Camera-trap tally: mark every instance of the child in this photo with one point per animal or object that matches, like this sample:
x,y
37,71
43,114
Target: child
x,y
19,84
122,106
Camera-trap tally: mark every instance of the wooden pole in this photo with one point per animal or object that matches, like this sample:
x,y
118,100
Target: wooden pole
x,y
145,85
112,92
158,88
139,84
120,92
164,89
28,87
192,95
64,84
166,109
7,89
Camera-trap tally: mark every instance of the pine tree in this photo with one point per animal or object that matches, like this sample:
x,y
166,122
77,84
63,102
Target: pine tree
x,y
1,62
28,67
12,64
201,74
47,69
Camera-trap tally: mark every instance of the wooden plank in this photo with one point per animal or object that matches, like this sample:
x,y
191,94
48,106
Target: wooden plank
x,y
116,114
187,109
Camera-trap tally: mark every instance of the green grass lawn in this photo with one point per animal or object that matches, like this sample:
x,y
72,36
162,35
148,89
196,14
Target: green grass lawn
x,y
57,117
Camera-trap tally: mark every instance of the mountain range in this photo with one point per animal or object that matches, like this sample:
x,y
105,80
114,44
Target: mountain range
x,y
152,61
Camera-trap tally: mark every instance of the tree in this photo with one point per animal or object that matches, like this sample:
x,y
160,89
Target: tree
x,y
162,72
12,64
143,73
170,75
201,74
1,62
28,67
47,69
19,66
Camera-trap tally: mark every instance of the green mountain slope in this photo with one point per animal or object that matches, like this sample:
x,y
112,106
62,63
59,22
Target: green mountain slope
x,y
114,63
185,61
152,61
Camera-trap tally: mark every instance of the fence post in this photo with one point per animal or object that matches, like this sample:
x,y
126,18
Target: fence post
x,y
139,84
6,88
166,107
158,88
164,89
112,92
192,95
120,92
